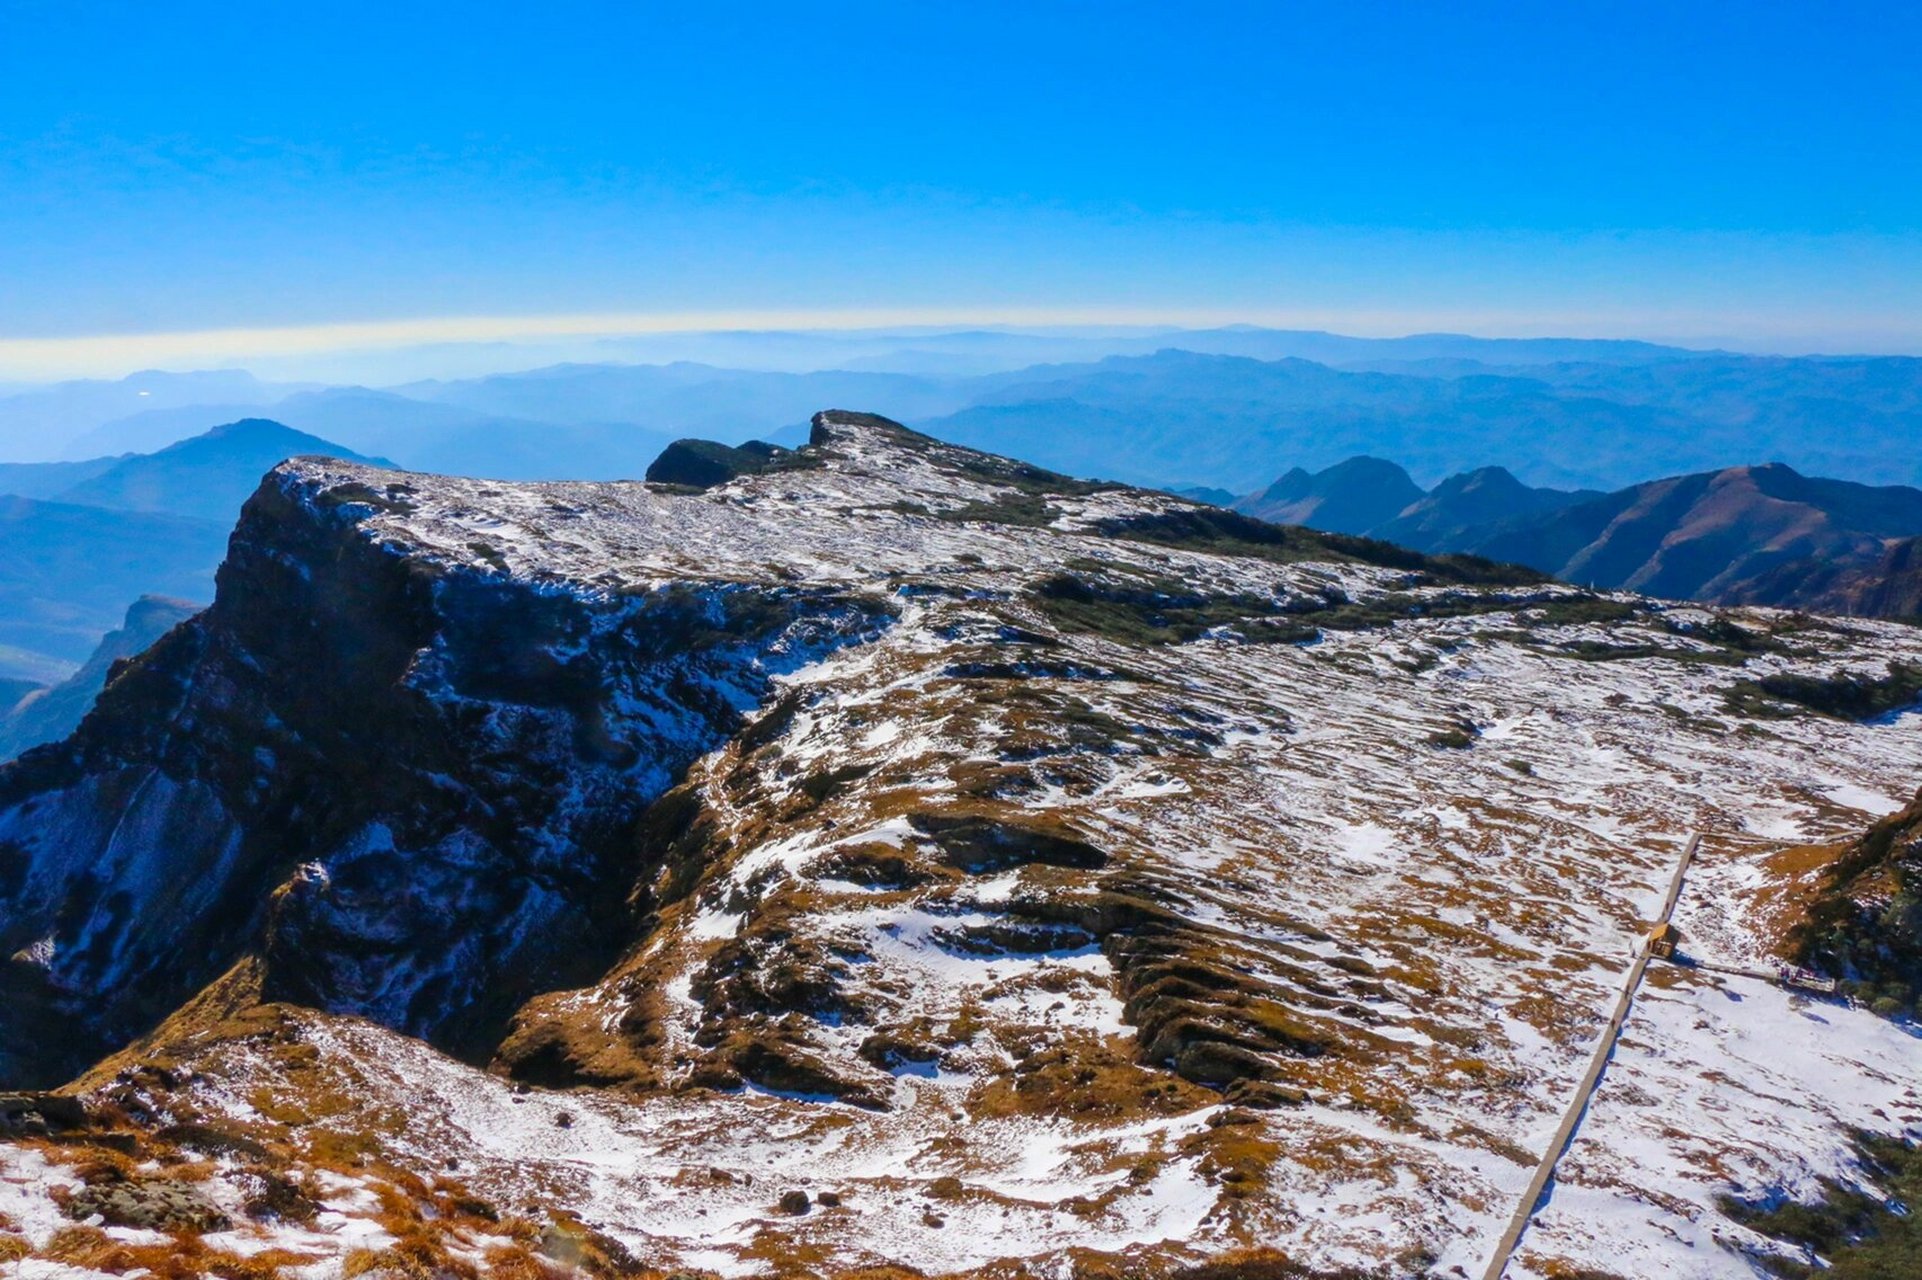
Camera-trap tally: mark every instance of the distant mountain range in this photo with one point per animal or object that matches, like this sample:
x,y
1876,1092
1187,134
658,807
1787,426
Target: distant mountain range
x,y
1742,535
36,715
45,423
1350,496
151,481
1179,418
206,477
70,571
46,479
1166,407
96,536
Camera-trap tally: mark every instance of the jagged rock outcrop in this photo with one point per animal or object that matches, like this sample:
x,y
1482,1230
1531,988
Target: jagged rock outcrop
x,y
702,464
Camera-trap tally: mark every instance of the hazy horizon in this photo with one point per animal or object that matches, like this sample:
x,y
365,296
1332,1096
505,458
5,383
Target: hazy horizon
x,y
184,190
398,352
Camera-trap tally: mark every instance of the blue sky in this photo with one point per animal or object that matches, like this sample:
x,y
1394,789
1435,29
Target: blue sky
x,y
1739,172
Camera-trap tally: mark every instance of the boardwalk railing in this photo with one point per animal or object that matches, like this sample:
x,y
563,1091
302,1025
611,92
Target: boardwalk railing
x,y
1578,1102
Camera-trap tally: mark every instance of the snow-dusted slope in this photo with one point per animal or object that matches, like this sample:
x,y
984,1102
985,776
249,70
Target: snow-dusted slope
x,y
1047,871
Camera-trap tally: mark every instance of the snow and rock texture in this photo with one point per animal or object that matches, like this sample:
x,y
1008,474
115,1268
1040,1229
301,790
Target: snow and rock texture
x,y
1058,876
397,771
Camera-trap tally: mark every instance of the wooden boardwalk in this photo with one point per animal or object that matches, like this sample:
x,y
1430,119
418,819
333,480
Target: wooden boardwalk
x,y
1578,1103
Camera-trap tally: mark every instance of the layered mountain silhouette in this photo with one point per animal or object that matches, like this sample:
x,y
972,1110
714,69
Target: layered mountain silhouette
x,y
1167,408
127,527
1742,535
70,571
43,422
1183,418
1349,497
1461,504
48,479
40,715
206,477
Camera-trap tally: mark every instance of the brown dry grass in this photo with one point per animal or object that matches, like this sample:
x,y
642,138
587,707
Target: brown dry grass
x,y
184,1257
518,1262
1796,878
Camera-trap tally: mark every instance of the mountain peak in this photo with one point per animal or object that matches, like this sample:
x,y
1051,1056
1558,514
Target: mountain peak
x,y
206,476
243,428
1352,496
1495,478
832,425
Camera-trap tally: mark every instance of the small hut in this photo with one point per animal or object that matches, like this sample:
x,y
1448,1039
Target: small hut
x,y
1662,940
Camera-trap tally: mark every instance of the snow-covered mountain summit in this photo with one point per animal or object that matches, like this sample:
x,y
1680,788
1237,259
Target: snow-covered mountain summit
x,y
1067,879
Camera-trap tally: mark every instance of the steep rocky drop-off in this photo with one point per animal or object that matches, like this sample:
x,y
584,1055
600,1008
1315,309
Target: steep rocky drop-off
x,y
903,855
402,776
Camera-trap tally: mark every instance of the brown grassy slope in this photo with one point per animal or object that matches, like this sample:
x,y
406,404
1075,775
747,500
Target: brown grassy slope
x,y
1864,920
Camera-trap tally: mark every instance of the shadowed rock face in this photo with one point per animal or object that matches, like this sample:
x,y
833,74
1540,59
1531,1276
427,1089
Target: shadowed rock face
x,y
1888,586
702,464
404,782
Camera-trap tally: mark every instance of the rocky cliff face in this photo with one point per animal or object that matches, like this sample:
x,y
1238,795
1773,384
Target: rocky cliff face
x,y
399,775
1884,586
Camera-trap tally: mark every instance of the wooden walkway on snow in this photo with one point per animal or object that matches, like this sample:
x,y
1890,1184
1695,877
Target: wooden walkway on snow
x,y
1585,1090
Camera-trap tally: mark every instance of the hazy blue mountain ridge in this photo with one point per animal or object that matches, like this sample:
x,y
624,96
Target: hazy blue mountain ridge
x,y
206,477
1461,504
1350,497
48,479
1740,535
70,571
48,715
151,524
1163,407
40,424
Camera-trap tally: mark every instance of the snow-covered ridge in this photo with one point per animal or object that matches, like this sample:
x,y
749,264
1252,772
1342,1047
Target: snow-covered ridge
x,y
1038,866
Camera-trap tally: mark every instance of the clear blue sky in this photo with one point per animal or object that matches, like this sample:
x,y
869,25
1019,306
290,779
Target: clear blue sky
x,y
1746,170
